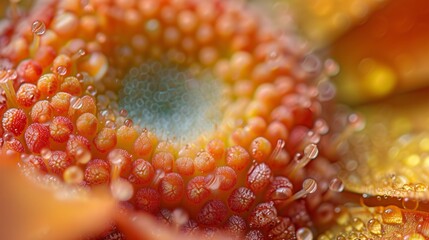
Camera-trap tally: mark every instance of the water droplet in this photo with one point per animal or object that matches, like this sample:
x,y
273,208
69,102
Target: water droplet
x,y
62,70
311,64
392,215
91,90
123,113
152,25
356,121
121,189
309,185
336,185
128,122
73,175
46,153
321,127
8,137
77,104
375,227
83,156
311,151
281,194
331,67
38,27
110,124
327,91
304,234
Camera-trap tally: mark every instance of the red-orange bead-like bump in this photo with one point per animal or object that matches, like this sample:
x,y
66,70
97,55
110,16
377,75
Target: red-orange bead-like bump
x,y
48,84
171,188
27,95
41,112
37,162
185,166
60,102
37,137
163,161
237,157
105,140
60,129
142,172
228,177
15,145
204,162
236,225
29,71
254,235
71,85
279,189
97,171
259,177
196,190
86,124
148,200
144,145
264,214
213,213
58,162
14,121
241,199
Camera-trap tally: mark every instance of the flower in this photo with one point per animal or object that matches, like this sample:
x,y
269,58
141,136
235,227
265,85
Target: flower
x,y
203,114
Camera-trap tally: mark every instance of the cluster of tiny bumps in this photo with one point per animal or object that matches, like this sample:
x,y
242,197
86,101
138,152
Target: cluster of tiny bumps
x,y
62,70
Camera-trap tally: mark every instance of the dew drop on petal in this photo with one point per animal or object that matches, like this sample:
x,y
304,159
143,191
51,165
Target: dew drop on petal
x,y
38,27
304,234
336,185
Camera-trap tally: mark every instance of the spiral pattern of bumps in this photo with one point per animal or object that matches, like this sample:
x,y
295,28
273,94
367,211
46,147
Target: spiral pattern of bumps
x,y
176,105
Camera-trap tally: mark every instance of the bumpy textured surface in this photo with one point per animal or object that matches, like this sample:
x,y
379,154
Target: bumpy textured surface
x,y
201,107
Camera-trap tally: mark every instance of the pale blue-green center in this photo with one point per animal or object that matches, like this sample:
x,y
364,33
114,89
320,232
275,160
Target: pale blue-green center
x,y
170,101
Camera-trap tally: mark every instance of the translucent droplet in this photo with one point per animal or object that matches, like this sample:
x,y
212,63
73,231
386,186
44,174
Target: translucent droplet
x,y
38,27
152,25
392,215
375,227
311,64
356,122
304,234
309,185
336,185
91,90
46,153
327,90
62,70
110,124
321,127
77,104
73,175
123,113
331,67
281,194
8,137
83,156
311,151
121,189
128,122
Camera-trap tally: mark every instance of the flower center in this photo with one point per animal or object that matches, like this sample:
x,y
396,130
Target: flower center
x,y
170,101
